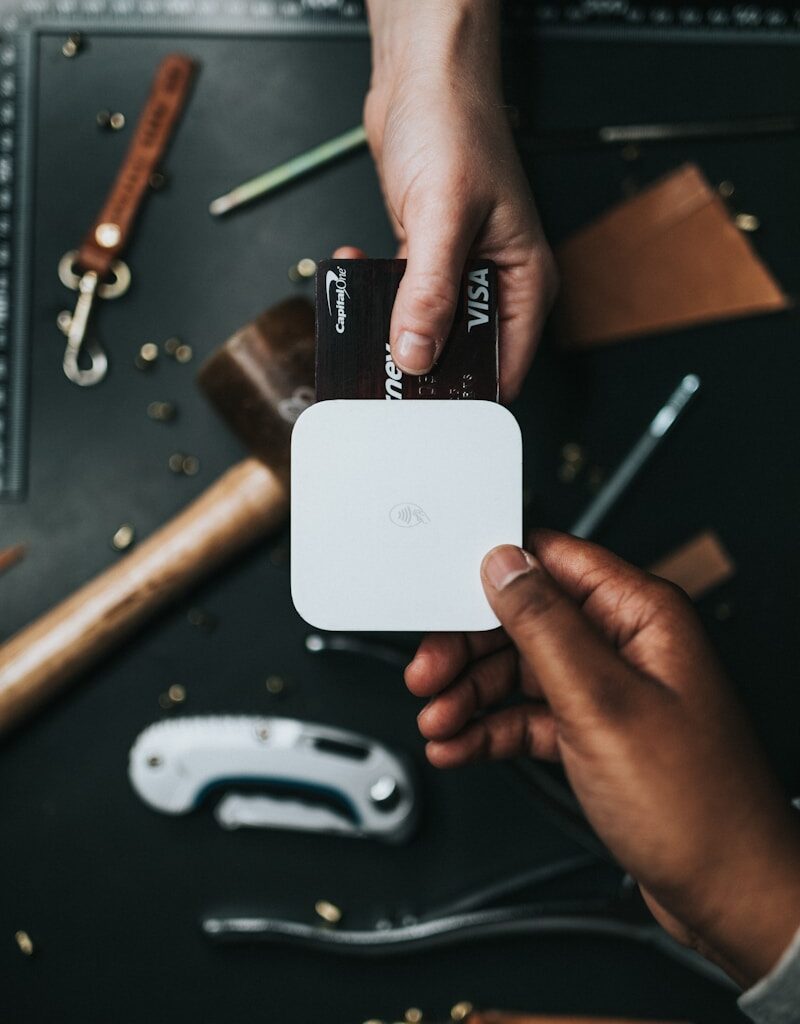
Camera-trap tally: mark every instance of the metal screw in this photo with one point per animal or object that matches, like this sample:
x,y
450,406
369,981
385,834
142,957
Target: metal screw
x,y
183,353
384,791
275,685
413,1015
328,911
726,189
72,45
24,942
461,1010
747,222
146,356
124,537
117,122
154,761
161,411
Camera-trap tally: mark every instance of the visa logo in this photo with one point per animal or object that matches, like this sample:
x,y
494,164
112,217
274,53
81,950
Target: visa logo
x,y
478,298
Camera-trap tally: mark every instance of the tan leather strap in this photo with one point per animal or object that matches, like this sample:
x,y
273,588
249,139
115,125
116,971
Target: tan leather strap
x,y
110,232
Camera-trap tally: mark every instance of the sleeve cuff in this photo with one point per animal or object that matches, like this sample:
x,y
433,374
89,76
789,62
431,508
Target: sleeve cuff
x,y
775,999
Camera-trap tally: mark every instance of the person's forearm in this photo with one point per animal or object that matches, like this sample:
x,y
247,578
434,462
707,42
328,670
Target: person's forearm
x,y
425,36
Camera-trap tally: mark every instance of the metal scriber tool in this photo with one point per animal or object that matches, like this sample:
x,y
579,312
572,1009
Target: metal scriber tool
x,y
607,497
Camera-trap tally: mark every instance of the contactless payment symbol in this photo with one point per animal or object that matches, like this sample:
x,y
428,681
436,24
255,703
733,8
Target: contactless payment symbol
x,y
408,514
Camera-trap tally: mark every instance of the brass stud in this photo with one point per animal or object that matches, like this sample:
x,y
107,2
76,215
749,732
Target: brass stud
x,y
328,911
275,685
146,356
107,235
747,222
726,189
303,270
72,45
175,462
190,465
123,537
461,1010
24,942
177,693
413,1015
161,411
171,345
103,119
183,353
117,122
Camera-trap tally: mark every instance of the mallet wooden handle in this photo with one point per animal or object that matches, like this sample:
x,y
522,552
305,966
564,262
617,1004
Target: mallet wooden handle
x,y
246,503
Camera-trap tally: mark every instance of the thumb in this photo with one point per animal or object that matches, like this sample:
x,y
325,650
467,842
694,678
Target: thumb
x,y
438,241
577,668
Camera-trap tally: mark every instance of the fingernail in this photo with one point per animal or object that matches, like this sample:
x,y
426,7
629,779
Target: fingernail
x,y
505,564
414,352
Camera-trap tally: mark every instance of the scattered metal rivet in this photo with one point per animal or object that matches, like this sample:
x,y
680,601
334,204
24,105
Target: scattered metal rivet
x,y
723,611
384,790
103,119
117,121
631,152
177,693
275,685
157,180
124,537
747,222
461,1010
328,911
161,411
187,465
413,1015
24,942
64,321
726,189
72,44
171,345
107,234
303,269
183,353
146,356
202,619
154,761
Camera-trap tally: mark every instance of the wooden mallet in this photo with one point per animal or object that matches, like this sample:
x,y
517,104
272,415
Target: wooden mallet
x,y
260,380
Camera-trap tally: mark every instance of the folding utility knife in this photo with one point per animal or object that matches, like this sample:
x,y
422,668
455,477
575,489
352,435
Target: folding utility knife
x,y
278,772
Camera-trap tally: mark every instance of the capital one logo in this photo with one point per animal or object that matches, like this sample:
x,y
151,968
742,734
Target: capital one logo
x,y
336,293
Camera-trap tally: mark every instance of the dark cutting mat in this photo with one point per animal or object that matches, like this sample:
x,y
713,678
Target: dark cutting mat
x,y
110,892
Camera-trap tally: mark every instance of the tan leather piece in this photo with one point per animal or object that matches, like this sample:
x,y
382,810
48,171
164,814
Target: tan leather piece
x,y
696,566
168,94
668,257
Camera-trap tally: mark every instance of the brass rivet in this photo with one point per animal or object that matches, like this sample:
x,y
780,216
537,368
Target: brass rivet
x,y
24,942
171,345
183,353
161,411
413,1015
117,121
275,685
190,465
461,1010
72,45
747,222
303,269
107,235
103,119
175,462
328,911
123,538
726,189
146,356
177,693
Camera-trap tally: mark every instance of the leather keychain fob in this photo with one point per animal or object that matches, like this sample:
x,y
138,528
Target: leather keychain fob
x,y
96,269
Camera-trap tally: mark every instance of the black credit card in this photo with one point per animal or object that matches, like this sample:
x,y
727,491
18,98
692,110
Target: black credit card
x,y
354,311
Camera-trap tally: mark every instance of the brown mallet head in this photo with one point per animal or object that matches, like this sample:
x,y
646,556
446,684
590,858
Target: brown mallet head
x,y
262,378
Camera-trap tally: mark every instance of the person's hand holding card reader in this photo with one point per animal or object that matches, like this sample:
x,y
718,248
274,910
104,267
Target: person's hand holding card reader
x,y
396,502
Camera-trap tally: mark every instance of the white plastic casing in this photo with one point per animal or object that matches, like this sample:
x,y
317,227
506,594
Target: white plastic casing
x,y
394,505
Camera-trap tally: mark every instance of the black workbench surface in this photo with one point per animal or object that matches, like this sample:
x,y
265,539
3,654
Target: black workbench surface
x,y
112,893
